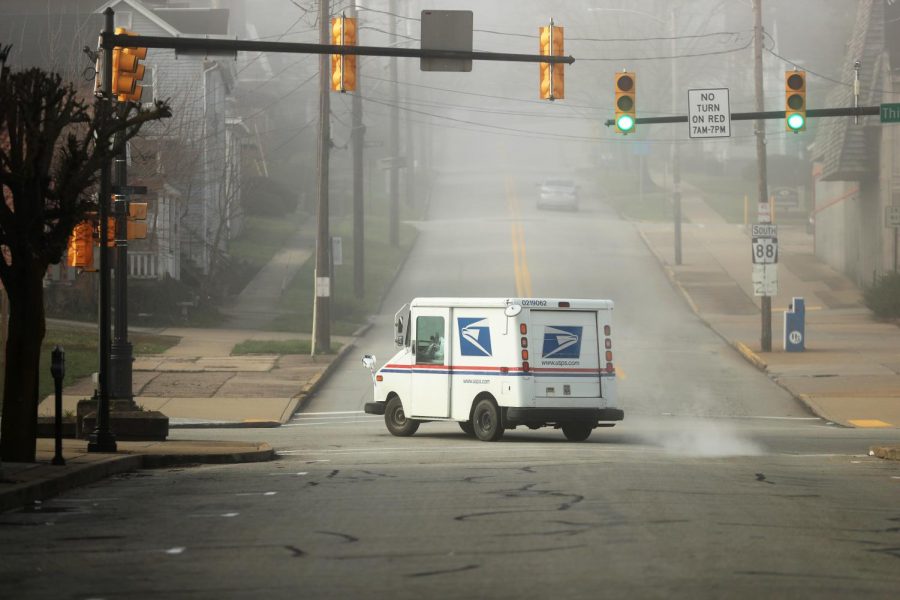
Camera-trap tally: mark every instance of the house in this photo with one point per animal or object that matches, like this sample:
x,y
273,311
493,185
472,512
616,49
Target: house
x,y
857,168
191,163
195,156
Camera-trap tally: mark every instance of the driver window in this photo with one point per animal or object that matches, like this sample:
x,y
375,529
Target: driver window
x,y
430,340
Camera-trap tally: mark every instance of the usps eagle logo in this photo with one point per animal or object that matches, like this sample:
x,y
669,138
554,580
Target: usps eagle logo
x,y
562,342
474,336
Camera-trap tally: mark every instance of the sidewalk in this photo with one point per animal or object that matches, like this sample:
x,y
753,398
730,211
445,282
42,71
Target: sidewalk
x,y
850,372
27,483
198,383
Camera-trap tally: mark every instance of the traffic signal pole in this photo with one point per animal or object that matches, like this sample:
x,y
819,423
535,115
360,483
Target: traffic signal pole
x,y
121,350
321,322
676,161
102,439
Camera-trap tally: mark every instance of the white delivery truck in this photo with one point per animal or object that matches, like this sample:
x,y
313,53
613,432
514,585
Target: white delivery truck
x,y
496,363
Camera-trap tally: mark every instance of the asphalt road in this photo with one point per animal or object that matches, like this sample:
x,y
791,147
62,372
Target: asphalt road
x,y
717,484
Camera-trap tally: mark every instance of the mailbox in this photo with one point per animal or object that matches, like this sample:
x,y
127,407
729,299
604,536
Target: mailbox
x,y
795,326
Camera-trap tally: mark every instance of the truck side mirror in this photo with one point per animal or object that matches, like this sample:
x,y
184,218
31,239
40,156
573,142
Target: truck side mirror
x,y
398,332
368,362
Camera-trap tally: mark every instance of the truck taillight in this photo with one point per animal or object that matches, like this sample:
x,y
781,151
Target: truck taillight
x,y
564,305
523,328
524,342
379,378
525,367
608,343
609,355
524,354
609,367
607,330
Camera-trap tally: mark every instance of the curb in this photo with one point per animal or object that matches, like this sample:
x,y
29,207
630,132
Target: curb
x,y
77,476
742,349
885,452
86,474
751,356
246,424
316,382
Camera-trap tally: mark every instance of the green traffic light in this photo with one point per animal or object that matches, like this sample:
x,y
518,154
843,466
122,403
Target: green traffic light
x,y
796,122
625,123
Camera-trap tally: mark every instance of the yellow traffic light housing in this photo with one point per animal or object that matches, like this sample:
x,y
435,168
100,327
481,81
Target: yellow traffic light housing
x,y
127,70
343,66
136,225
626,102
795,100
81,246
552,74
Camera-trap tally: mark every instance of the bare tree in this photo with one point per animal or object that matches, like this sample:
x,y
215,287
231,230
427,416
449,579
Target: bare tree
x,y
52,146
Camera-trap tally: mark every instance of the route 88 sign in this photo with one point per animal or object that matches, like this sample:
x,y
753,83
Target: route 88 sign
x,y
765,251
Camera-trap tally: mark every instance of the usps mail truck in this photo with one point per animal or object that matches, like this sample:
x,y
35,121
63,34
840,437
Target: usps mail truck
x,y
493,364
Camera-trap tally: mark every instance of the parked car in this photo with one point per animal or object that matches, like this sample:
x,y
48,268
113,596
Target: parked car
x,y
560,194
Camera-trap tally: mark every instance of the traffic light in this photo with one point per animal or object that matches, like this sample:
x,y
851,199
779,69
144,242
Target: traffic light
x,y
137,221
81,246
552,75
795,100
626,92
127,70
343,66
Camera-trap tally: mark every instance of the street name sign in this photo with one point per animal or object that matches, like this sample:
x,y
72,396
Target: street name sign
x,y
709,113
765,280
890,113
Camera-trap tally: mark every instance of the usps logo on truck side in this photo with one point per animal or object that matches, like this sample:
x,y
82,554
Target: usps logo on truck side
x,y
561,341
474,336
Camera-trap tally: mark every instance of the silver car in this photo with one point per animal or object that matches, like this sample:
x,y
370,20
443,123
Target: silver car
x,y
559,194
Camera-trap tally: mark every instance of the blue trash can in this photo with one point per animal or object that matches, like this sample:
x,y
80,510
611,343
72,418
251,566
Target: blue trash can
x,y
795,326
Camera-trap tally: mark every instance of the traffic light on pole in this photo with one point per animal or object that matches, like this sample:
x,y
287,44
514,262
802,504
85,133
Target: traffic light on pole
x,y
552,75
81,246
127,70
343,66
626,93
137,221
795,100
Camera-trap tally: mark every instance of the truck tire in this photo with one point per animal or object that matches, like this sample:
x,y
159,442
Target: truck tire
x,y
486,420
467,428
396,421
576,432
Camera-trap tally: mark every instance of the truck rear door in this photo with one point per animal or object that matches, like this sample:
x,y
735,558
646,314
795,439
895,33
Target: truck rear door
x,y
565,354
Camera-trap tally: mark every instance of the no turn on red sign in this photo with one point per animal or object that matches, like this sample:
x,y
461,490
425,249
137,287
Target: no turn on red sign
x,y
709,113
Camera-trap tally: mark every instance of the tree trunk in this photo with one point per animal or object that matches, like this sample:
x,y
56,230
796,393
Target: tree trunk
x,y
23,356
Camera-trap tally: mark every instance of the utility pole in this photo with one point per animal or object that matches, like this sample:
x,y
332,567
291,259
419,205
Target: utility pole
x,y
358,141
409,145
676,162
394,137
762,176
321,341
121,352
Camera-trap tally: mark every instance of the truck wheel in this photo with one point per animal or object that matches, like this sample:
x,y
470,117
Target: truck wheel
x,y
396,420
576,432
467,428
486,421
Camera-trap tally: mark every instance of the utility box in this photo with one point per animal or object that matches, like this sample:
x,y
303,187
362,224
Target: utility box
x,y
795,326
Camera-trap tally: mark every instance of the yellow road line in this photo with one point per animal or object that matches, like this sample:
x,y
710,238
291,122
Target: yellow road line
x,y
873,423
517,230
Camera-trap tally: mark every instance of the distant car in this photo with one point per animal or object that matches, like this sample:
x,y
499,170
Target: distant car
x,y
560,194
